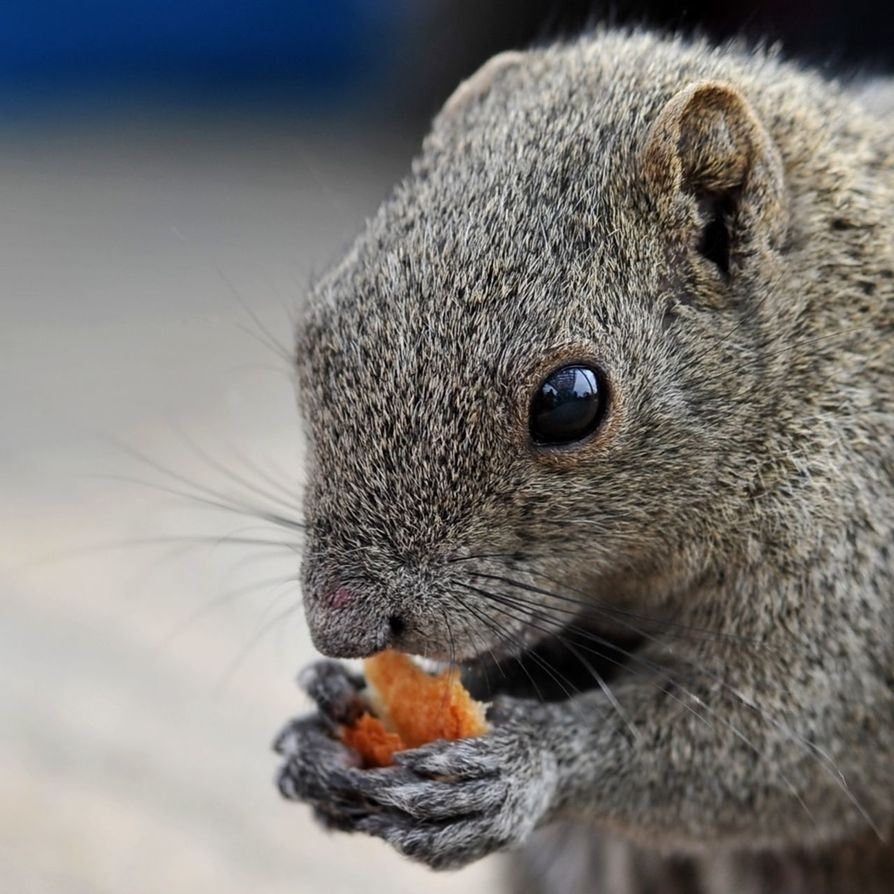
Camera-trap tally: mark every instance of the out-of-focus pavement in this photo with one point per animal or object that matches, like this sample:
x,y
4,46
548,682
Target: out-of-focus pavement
x,y
142,683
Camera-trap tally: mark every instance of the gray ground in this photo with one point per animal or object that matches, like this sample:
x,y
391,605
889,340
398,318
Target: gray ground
x,y
134,749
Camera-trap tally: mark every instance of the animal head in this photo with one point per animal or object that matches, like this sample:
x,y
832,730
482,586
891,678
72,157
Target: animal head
x,y
547,364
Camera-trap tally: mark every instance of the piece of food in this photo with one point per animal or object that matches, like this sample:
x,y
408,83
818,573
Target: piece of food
x,y
411,709
375,744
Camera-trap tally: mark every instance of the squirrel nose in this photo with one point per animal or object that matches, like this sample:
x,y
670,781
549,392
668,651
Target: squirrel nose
x,y
339,597
346,623
342,597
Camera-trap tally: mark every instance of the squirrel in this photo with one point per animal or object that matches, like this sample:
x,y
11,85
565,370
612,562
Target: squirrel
x,y
600,406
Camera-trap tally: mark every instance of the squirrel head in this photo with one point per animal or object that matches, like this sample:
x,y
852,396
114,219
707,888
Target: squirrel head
x,y
542,369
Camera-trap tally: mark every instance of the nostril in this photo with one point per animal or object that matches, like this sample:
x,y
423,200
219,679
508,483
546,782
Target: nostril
x,y
397,625
340,597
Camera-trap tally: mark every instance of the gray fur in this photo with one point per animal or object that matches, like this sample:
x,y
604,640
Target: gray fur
x,y
742,485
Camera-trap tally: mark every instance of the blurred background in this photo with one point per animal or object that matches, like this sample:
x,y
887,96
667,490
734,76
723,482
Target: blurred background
x,y
172,176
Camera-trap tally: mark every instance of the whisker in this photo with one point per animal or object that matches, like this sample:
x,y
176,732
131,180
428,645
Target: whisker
x,y
451,642
818,754
138,542
514,556
476,637
263,336
809,747
547,666
258,636
263,555
217,465
610,610
213,503
453,655
477,556
675,682
603,685
502,637
597,677
219,601
273,480
209,494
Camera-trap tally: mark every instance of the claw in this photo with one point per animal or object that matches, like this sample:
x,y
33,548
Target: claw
x,y
280,743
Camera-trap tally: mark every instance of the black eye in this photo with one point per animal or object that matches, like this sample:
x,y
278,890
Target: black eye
x,y
568,406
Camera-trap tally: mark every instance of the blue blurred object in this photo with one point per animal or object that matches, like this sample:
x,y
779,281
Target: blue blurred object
x,y
327,49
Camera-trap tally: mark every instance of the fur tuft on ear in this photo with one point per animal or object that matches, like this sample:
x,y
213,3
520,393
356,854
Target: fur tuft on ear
x,y
710,162
480,82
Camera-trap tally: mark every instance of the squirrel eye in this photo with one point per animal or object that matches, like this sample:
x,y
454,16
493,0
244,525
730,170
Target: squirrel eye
x,y
568,405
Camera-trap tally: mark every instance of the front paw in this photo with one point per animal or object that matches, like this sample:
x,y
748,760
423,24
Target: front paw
x,y
445,804
318,769
451,803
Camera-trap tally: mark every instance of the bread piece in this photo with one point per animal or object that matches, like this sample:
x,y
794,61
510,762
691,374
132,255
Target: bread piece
x,y
413,708
375,744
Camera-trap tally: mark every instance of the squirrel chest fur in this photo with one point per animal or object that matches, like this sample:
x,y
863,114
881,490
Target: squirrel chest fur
x,y
599,405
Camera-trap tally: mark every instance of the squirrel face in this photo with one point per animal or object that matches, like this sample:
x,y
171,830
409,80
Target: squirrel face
x,y
617,267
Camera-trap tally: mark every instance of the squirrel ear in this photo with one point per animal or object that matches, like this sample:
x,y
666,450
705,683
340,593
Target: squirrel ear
x,y
711,163
480,82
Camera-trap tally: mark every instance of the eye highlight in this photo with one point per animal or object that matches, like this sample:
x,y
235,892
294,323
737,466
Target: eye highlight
x,y
569,405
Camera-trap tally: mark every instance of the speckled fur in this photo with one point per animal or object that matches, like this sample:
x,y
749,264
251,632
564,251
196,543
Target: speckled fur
x,y
743,482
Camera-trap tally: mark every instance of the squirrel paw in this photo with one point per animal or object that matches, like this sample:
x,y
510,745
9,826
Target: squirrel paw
x,y
335,689
465,799
445,804
317,766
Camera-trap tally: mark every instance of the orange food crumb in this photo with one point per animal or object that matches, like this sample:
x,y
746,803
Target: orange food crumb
x,y
416,708
369,736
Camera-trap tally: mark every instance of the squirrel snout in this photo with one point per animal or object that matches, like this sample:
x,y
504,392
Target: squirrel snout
x,y
339,597
346,623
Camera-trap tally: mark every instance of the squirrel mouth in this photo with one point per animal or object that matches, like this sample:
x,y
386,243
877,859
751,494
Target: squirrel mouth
x,y
576,658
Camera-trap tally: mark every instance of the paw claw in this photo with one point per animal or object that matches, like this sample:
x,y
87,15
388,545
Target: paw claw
x,y
288,740
286,786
